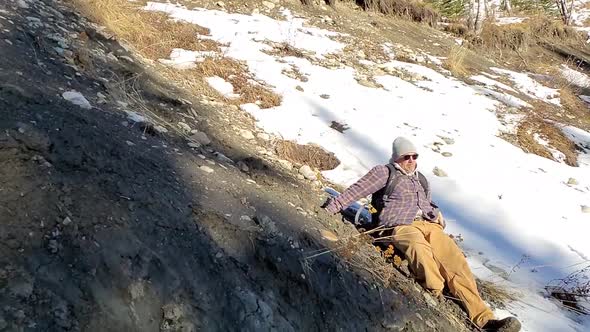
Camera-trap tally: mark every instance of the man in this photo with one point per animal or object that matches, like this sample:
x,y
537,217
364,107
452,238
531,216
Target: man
x,y
417,224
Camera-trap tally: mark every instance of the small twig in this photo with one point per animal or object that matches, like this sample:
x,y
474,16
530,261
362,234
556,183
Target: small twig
x,y
8,210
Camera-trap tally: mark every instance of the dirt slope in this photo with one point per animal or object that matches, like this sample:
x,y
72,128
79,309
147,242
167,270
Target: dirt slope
x,y
107,225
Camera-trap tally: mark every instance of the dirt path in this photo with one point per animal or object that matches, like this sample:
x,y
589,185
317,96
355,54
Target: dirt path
x,y
107,225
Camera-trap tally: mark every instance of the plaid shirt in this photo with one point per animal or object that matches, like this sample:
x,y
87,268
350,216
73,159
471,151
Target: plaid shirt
x,y
401,207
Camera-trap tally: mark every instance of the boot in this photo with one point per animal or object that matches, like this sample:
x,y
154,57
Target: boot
x,y
508,324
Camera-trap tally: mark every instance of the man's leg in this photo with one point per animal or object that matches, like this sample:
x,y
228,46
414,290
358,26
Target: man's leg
x,y
411,241
456,272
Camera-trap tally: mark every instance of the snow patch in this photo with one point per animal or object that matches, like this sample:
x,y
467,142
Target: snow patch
x,y
575,77
530,87
222,86
509,20
183,59
491,83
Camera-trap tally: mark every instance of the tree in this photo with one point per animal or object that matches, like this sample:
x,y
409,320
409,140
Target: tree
x,y
565,10
477,14
507,6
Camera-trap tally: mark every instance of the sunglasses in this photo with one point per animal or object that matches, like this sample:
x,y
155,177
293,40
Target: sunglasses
x,y
413,156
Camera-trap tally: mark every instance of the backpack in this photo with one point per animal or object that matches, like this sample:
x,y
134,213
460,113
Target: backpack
x,y
377,201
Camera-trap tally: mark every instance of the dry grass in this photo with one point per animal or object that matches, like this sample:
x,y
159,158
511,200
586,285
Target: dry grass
x,y
295,73
455,62
457,29
493,293
311,155
416,11
570,101
412,10
520,37
548,132
284,50
235,73
573,110
152,34
512,37
357,251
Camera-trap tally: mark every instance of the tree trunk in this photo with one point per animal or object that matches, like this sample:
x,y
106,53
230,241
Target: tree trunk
x,y
507,6
477,14
565,10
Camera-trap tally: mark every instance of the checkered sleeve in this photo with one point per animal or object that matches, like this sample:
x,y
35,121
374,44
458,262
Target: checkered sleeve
x,y
374,180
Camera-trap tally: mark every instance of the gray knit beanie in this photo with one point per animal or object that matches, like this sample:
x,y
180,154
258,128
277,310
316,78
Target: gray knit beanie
x,y
401,146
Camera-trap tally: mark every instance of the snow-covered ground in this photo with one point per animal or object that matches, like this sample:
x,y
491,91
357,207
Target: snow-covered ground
x,y
522,223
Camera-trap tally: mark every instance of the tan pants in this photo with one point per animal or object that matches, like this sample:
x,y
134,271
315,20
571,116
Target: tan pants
x,y
435,258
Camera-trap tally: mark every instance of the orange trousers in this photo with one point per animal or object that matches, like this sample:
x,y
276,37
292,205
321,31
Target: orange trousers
x,y
435,258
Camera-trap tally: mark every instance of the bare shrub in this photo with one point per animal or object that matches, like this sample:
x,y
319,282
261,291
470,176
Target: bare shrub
x,y
514,37
311,155
520,36
573,291
457,29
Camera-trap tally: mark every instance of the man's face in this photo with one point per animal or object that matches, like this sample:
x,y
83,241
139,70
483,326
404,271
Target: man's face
x,y
408,162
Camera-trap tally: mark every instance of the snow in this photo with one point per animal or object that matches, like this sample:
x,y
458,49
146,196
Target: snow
x,y
575,77
530,87
509,20
183,59
225,88
506,204
580,13
506,99
491,83
77,98
581,139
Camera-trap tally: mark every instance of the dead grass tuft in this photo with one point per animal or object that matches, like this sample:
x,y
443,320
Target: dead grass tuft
x,y
311,155
152,34
457,29
520,37
455,62
295,73
234,72
544,27
285,49
494,293
533,127
570,101
513,37
412,10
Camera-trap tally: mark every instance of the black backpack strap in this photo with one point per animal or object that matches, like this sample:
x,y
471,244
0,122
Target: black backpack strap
x,y
424,183
392,180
